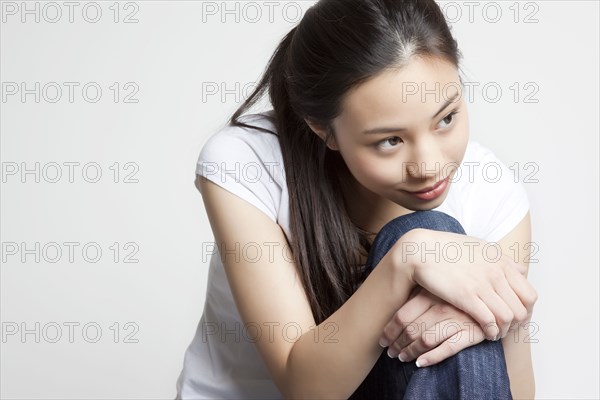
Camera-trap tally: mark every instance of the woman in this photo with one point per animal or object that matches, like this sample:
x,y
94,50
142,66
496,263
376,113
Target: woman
x,y
346,221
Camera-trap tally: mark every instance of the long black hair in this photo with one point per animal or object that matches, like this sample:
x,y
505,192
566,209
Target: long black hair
x,y
337,45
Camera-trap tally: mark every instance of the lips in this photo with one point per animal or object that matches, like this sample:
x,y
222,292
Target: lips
x,y
430,188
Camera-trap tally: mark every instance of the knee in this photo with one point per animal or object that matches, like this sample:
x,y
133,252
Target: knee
x,y
429,219
397,227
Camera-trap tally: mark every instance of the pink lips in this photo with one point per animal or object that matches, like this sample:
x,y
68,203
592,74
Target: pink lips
x,y
432,192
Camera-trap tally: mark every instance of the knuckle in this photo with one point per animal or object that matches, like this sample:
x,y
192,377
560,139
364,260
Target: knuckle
x,y
411,333
490,321
490,328
530,298
429,340
452,328
453,347
534,295
443,308
521,315
399,318
506,318
387,332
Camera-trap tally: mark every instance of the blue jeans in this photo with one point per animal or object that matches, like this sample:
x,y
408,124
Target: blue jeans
x,y
477,372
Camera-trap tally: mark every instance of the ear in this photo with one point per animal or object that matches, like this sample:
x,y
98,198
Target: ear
x,y
321,131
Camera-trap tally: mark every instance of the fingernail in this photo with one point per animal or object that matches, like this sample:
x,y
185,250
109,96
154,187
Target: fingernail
x,y
402,357
388,353
383,343
421,363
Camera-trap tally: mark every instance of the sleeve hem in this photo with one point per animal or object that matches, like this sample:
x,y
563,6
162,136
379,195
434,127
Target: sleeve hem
x,y
226,182
503,230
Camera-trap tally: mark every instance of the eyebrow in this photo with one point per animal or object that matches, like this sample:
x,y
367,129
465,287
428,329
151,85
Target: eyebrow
x,y
392,129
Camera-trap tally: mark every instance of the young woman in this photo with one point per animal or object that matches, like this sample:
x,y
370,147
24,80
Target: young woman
x,y
366,250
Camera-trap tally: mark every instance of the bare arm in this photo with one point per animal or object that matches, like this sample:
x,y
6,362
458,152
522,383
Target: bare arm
x,y
428,309
517,350
333,359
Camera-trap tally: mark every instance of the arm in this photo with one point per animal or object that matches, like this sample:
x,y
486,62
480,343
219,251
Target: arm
x,y
428,310
517,350
333,359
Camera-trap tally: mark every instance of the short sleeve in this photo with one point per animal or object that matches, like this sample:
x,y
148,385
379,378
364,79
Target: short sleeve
x,y
498,201
242,162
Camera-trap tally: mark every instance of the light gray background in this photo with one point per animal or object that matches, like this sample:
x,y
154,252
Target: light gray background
x,y
172,53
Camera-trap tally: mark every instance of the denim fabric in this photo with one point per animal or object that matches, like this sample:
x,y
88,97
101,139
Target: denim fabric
x,y
477,372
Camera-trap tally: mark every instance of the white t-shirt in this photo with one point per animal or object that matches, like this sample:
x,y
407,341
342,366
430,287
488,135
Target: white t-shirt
x,y
222,361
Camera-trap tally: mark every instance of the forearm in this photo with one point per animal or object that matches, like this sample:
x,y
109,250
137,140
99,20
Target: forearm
x,y
517,347
517,352
334,360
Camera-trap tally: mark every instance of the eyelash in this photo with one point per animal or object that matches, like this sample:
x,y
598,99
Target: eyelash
x,y
451,114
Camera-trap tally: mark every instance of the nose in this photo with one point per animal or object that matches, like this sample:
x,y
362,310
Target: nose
x,y
424,162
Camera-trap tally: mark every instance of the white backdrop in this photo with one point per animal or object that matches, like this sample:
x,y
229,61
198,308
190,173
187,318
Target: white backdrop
x,y
105,107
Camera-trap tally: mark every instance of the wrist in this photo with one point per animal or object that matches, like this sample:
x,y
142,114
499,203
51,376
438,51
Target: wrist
x,y
405,256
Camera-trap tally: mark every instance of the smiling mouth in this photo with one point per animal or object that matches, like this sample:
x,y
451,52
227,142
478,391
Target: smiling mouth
x,y
428,189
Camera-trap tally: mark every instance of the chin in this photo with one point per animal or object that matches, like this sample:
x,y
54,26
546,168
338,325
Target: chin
x,y
424,207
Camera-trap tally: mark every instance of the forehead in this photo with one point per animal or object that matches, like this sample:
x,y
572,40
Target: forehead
x,y
413,91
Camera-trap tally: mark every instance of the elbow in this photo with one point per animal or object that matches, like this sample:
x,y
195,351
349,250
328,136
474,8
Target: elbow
x,y
299,389
298,384
307,393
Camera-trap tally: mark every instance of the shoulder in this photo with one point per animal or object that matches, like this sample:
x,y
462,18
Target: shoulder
x,y
241,143
240,147
246,161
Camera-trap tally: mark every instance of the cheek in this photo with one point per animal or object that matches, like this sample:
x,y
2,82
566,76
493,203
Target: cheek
x,y
455,145
460,144
371,173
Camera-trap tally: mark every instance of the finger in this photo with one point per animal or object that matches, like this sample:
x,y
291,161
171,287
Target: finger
x,y
437,313
506,292
414,331
522,288
457,342
481,313
410,311
430,339
502,312
411,332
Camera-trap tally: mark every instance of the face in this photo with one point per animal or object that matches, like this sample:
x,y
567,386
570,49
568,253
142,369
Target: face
x,y
404,131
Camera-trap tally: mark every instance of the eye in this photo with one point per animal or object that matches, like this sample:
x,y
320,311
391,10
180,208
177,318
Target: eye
x,y
449,119
388,140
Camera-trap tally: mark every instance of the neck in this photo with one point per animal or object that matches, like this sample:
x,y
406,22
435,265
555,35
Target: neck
x,y
367,210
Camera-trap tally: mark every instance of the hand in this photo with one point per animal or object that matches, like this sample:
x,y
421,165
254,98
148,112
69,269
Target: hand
x,y
490,288
428,328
